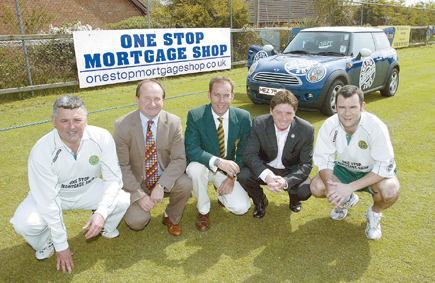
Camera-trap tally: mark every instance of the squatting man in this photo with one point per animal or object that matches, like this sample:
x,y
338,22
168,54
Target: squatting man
x,y
354,153
64,168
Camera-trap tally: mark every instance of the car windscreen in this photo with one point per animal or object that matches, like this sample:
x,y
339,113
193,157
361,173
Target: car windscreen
x,y
320,43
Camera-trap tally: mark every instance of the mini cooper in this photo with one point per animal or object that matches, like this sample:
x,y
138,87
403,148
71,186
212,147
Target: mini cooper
x,y
319,61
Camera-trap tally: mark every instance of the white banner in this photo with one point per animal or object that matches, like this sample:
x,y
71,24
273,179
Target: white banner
x,y
117,56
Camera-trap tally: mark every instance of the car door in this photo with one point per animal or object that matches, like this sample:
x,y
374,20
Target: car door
x,y
363,71
382,45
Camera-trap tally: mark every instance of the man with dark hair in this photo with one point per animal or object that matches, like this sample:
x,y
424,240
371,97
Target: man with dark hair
x,y
354,152
278,154
64,170
150,147
216,136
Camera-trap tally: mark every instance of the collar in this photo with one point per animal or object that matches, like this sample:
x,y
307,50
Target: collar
x,y
144,120
278,131
225,116
59,142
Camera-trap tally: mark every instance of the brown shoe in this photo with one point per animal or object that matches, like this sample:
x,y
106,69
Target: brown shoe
x,y
173,229
202,222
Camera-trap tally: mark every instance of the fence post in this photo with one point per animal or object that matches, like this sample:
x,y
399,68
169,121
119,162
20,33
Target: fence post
x,y
29,74
422,22
386,16
288,24
330,14
362,11
148,14
231,13
231,26
422,18
406,19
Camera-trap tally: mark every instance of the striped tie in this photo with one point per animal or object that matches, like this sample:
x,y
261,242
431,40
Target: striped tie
x,y
150,159
221,137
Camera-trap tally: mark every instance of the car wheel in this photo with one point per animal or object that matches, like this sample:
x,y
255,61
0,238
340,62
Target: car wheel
x,y
328,106
392,84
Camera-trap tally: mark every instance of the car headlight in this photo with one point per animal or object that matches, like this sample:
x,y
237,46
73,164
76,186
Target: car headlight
x,y
316,74
253,67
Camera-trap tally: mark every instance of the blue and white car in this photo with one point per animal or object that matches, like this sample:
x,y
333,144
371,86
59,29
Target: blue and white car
x,y
319,61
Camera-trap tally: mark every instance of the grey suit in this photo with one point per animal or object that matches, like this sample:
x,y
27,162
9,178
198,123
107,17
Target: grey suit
x,y
262,148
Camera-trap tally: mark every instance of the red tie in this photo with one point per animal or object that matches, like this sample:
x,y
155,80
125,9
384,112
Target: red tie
x,y
151,159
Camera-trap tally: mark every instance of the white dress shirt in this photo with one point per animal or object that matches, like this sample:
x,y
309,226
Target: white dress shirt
x,y
281,137
225,124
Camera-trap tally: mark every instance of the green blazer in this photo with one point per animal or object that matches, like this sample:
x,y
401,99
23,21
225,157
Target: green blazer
x,y
201,138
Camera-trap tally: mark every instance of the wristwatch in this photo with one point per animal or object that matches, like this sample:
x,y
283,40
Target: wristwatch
x,y
216,162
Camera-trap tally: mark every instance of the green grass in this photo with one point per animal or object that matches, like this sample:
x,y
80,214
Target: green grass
x,y
282,246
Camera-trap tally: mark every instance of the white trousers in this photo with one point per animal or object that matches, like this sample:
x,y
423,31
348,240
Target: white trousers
x,y
30,224
237,202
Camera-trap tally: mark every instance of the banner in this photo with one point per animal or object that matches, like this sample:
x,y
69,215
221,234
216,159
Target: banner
x,y
398,35
117,56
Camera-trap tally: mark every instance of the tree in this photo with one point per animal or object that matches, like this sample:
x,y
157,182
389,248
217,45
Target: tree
x,y
33,21
333,12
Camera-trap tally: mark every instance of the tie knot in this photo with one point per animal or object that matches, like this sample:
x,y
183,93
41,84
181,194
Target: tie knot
x,y
220,119
150,123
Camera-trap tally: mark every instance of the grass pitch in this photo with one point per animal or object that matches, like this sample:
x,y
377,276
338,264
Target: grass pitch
x,y
282,246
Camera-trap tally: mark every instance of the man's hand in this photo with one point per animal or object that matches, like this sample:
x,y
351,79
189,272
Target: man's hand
x,y
146,203
96,222
338,192
275,183
227,186
64,258
230,167
157,194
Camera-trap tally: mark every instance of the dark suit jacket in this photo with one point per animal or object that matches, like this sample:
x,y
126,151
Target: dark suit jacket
x,y
297,155
130,146
201,138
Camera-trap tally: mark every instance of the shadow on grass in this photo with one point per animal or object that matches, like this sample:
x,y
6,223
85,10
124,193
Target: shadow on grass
x,y
321,250
234,238
261,250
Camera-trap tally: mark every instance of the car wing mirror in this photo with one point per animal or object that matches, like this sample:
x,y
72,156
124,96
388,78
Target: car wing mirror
x,y
268,48
364,52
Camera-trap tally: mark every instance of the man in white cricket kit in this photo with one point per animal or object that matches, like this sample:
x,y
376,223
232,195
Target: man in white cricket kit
x,y
64,168
354,153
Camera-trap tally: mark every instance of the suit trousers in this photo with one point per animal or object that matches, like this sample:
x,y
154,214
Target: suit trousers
x,y
251,184
237,202
136,218
30,224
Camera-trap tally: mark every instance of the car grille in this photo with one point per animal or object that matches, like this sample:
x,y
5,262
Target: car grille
x,y
276,78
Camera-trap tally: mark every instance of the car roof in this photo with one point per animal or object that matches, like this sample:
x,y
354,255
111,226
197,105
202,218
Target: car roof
x,y
342,29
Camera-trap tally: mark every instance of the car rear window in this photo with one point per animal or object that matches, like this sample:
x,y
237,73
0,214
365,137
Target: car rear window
x,y
381,40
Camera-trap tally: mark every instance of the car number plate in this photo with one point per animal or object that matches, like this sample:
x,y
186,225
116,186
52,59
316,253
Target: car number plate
x,y
268,90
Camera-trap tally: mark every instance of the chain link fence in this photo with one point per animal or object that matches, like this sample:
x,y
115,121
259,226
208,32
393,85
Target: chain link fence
x,y
37,51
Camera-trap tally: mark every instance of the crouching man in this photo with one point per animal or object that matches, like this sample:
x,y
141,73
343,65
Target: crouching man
x,y
354,153
64,168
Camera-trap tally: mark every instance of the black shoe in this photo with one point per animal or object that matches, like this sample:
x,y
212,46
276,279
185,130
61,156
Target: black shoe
x,y
260,208
295,204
